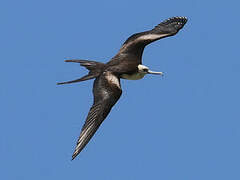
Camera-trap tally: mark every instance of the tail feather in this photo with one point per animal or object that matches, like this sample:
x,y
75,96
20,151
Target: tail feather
x,y
90,65
95,69
84,78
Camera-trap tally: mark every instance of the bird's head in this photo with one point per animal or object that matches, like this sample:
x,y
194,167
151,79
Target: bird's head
x,y
145,70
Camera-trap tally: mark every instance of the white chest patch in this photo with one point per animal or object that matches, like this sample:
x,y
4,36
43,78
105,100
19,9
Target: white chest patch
x,y
112,79
135,76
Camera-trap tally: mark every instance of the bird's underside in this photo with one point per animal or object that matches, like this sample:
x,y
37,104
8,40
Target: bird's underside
x,y
127,62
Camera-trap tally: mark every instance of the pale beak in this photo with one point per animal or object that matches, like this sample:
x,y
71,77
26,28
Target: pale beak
x,y
157,73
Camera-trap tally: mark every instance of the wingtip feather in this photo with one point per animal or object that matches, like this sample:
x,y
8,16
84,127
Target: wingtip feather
x,y
75,153
171,25
73,157
176,19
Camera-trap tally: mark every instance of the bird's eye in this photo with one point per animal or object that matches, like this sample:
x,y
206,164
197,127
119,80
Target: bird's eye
x,y
145,70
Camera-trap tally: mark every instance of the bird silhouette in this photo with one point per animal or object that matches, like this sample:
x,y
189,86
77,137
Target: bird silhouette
x,y
126,64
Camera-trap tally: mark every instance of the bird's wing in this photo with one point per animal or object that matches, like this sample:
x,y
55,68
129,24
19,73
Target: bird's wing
x,y
107,91
166,28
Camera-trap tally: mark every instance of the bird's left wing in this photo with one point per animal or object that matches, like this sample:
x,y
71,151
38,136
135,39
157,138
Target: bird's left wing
x,y
107,91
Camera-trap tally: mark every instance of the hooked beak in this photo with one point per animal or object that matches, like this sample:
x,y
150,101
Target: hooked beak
x,y
157,73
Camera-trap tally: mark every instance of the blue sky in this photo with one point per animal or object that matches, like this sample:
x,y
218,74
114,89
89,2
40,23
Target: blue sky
x,y
183,126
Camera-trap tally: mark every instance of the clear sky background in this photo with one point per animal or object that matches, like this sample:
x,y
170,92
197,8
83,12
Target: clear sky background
x,y
184,126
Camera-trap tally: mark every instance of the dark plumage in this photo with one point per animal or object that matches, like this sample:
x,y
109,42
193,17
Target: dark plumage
x,y
127,64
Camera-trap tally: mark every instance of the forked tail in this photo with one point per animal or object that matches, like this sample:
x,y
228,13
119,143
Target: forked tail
x,y
95,69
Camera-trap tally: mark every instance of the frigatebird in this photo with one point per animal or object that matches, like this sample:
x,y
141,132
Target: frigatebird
x,y
126,64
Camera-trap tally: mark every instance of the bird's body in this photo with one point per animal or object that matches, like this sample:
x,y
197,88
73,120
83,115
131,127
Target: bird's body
x,y
126,64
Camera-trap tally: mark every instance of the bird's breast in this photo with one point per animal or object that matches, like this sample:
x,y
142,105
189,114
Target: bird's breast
x,y
134,76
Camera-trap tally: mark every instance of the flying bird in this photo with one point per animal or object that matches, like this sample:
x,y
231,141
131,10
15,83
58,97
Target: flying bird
x,y
126,64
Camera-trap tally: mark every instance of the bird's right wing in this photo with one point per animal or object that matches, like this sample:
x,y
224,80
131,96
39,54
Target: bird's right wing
x,y
166,28
107,91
